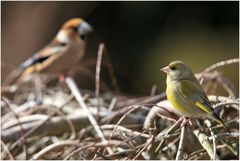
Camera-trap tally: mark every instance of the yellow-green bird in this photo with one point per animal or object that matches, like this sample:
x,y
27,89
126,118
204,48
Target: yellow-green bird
x,y
186,94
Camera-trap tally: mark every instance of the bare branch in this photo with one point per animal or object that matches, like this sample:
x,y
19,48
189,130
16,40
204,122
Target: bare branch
x,y
220,64
7,151
73,87
54,147
203,140
97,76
179,155
209,125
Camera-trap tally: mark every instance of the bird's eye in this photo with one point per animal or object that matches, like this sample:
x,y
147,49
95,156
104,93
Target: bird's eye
x,y
75,29
63,44
173,68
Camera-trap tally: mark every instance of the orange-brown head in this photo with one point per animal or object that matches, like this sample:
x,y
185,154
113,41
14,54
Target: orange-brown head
x,y
74,30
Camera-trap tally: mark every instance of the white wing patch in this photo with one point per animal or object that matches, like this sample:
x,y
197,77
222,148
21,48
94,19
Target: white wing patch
x,y
63,37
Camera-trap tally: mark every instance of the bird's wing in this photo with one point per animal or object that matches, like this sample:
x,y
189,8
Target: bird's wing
x,y
55,48
196,95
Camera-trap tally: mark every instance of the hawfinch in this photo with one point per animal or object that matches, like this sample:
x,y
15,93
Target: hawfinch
x,y
62,53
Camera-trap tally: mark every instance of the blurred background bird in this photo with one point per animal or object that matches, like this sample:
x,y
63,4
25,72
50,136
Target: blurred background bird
x,y
186,94
60,55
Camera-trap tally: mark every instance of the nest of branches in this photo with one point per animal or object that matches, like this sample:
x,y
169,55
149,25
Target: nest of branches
x,y
73,124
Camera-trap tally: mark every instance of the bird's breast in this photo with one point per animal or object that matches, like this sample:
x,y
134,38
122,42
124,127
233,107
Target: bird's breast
x,y
66,60
180,103
174,97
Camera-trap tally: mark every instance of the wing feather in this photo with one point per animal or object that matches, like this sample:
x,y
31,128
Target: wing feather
x,y
55,47
196,95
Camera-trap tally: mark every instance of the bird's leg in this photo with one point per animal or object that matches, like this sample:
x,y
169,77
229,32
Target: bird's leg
x,y
38,89
186,121
62,78
63,75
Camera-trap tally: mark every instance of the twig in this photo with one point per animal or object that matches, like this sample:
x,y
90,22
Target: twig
x,y
7,151
24,119
126,139
57,125
233,104
121,119
101,144
106,63
75,91
201,152
179,155
220,64
38,89
97,77
98,154
203,140
232,123
121,154
172,143
111,71
222,135
89,73
23,136
112,104
146,145
124,129
35,127
214,98
144,100
228,86
33,117
234,150
161,136
209,125
164,109
153,90
53,147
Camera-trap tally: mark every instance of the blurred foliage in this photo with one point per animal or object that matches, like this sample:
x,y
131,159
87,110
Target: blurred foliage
x,y
141,37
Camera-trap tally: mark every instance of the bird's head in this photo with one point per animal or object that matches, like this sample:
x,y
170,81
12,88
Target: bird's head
x,y
74,30
178,70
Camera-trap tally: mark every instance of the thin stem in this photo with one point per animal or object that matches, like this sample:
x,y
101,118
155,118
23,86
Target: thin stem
x,y
97,76
179,155
75,91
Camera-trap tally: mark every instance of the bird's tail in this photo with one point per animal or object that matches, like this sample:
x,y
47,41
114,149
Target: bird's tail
x,y
220,121
16,76
12,77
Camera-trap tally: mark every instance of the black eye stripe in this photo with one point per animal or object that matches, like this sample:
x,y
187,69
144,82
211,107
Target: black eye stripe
x,y
83,37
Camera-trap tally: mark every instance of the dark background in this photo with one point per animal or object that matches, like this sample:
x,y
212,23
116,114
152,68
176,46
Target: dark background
x,y
141,37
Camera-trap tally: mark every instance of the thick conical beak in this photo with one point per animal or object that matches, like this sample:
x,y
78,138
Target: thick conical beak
x,y
85,28
165,69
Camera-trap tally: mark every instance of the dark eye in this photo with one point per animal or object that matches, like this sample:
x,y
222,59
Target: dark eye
x,y
75,29
63,44
173,68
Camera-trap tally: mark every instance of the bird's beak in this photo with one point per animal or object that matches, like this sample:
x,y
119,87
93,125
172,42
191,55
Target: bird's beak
x,y
84,28
165,69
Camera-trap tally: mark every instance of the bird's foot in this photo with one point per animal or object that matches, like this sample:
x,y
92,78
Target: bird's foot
x,y
62,78
186,121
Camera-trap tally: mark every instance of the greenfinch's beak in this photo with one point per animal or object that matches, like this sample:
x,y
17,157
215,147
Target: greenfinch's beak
x,y
165,69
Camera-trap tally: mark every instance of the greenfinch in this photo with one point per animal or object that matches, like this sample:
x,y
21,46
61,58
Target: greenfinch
x,y
186,94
